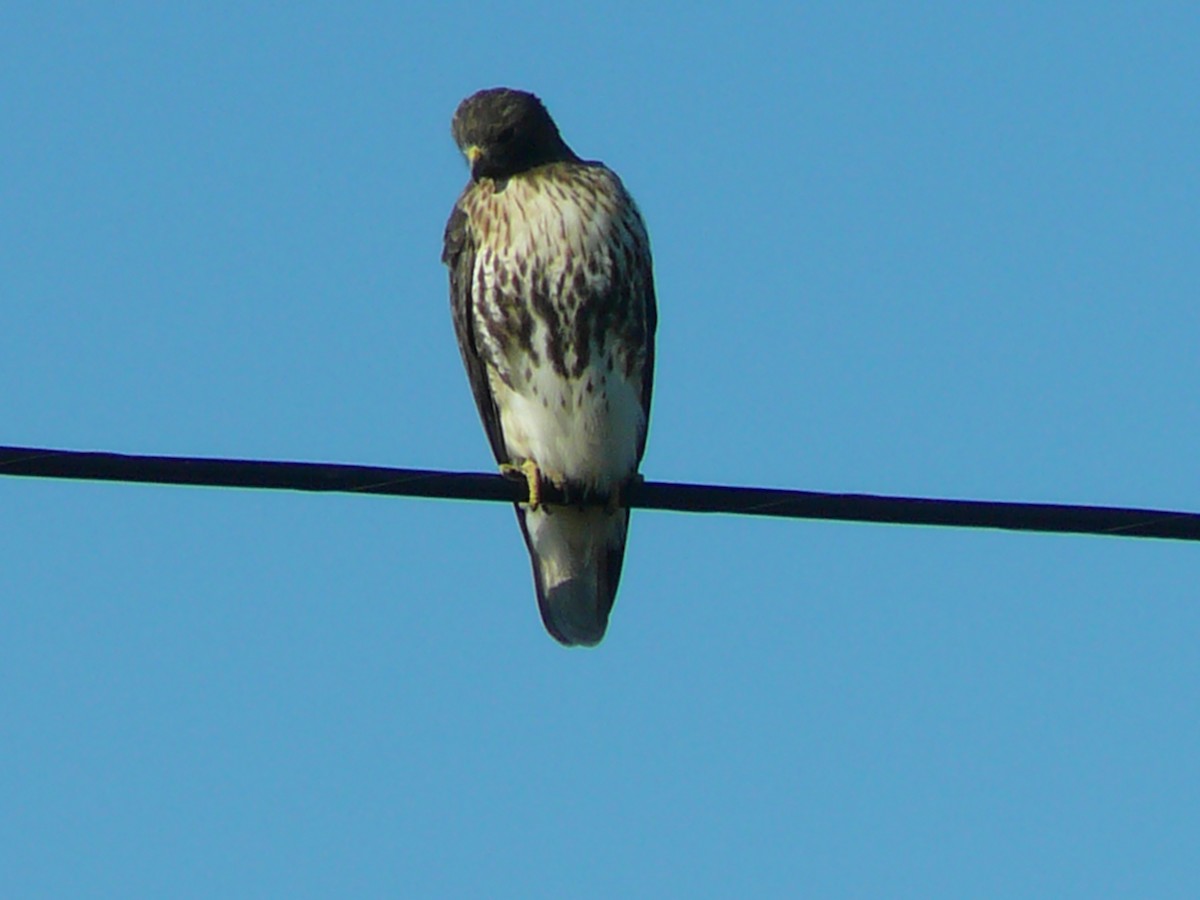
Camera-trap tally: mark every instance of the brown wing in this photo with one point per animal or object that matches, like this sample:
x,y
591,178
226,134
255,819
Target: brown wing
x,y
645,273
458,253
641,303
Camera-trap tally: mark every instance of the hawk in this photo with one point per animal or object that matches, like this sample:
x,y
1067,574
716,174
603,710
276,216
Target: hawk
x,y
552,291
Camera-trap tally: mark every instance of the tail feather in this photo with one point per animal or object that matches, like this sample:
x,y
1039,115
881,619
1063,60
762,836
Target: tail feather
x,y
576,556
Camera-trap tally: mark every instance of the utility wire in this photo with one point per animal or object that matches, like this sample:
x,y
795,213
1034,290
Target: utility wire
x,y
339,478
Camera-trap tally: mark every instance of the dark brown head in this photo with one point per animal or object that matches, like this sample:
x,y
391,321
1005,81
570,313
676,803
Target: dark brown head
x,y
503,132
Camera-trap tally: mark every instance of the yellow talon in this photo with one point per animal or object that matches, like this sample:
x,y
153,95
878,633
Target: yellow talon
x,y
533,478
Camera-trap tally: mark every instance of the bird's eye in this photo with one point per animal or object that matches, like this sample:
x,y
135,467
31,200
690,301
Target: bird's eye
x,y
506,135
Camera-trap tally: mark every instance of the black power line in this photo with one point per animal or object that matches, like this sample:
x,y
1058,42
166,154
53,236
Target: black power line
x,y
301,476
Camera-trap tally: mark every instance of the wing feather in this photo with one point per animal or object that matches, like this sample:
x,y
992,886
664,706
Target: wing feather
x,y
645,274
640,301
458,252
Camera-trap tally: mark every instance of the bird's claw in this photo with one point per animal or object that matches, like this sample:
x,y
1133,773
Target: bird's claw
x,y
529,472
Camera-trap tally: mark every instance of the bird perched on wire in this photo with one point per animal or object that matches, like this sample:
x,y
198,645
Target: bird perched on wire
x,y
552,291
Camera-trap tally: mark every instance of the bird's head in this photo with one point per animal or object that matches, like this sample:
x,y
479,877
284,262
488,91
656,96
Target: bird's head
x,y
503,132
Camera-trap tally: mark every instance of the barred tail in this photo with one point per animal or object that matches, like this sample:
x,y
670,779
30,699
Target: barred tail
x,y
576,556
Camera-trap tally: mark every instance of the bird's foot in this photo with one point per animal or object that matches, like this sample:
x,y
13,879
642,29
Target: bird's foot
x,y
531,474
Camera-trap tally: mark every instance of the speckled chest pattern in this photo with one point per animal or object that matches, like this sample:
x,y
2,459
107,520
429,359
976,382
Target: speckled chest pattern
x,y
554,276
559,302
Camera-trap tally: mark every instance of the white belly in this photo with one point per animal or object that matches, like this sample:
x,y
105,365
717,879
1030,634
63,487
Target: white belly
x,y
584,437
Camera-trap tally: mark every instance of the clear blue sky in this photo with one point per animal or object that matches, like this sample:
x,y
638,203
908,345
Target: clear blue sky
x,y
948,251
